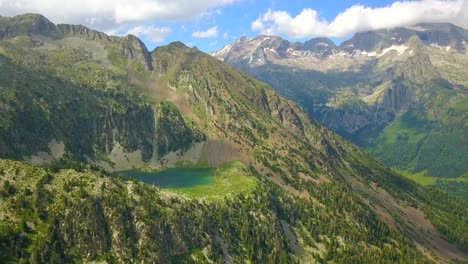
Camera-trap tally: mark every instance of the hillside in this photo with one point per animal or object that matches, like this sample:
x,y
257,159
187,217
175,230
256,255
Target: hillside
x,y
78,105
399,93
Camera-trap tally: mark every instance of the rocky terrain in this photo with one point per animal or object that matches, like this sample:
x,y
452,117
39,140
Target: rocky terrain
x,y
78,105
399,93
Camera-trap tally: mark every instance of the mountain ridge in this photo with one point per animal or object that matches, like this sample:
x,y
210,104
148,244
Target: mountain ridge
x,y
319,197
369,82
445,34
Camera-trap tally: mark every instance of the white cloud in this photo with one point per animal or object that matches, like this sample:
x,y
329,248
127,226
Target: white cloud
x,y
155,34
210,33
360,18
108,15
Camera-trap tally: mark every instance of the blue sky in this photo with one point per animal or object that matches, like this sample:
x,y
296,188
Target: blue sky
x,y
234,21
212,24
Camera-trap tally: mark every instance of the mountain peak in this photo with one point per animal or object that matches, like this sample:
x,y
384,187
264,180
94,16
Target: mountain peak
x,y
263,49
33,17
415,43
322,46
437,26
177,45
78,94
35,24
26,23
441,34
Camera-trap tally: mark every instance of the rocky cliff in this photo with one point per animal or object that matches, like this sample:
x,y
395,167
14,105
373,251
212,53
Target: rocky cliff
x,y
314,197
363,87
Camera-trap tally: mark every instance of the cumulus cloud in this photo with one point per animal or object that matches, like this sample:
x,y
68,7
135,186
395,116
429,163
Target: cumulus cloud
x,y
108,15
210,33
358,18
155,34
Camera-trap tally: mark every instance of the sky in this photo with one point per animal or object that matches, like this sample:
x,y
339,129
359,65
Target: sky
x,y
211,24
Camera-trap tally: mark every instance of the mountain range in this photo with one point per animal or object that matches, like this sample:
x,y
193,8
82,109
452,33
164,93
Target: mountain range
x,y
399,93
79,106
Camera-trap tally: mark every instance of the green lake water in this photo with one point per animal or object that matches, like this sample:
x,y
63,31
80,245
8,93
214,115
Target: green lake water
x,y
173,178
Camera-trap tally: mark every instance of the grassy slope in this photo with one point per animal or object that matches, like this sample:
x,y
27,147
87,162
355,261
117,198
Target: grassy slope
x,y
454,186
230,179
42,85
73,215
278,139
433,138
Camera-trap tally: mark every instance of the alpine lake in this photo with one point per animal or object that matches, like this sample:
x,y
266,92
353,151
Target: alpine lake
x,y
173,178
213,184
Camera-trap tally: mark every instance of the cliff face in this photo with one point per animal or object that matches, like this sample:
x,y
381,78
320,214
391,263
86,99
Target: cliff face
x,y
318,197
25,24
40,108
363,87
129,47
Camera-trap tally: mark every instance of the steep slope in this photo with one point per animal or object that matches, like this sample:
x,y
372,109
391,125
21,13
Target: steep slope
x,y
82,102
107,102
71,216
369,87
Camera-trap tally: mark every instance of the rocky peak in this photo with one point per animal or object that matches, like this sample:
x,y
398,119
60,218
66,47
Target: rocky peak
x,y
177,45
441,34
319,42
25,24
164,57
364,41
272,42
418,68
264,49
35,24
133,48
320,46
80,30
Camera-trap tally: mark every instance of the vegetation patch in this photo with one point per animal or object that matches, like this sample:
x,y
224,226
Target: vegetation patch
x,y
454,186
229,179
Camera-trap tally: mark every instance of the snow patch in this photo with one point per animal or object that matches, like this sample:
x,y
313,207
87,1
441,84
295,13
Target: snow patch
x,y
270,50
340,54
400,49
369,54
445,48
294,52
224,50
323,44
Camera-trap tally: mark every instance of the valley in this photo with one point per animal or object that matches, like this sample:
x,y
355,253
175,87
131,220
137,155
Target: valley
x,y
399,93
78,107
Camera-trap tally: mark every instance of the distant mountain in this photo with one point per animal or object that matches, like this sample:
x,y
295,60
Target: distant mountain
x,y
400,93
441,34
78,105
